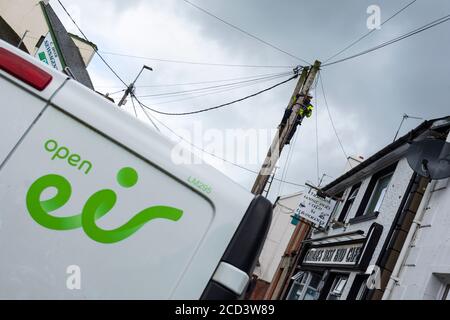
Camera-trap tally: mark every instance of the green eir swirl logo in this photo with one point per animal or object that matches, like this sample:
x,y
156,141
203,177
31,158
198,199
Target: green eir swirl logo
x,y
99,204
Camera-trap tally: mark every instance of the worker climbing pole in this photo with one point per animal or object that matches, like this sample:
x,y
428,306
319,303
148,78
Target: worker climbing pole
x,y
298,109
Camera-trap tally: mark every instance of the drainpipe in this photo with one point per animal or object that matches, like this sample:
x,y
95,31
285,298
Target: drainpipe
x,y
423,207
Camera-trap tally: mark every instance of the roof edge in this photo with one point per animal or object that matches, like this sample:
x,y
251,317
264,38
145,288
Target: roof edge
x,y
93,45
422,128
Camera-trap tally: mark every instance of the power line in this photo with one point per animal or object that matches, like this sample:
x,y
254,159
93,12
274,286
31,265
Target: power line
x,y
206,93
95,49
220,158
331,118
317,131
267,78
195,83
370,32
134,107
197,62
246,32
384,44
178,61
221,105
145,112
287,163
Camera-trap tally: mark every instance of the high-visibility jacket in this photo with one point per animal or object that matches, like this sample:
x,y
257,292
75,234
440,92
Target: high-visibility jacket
x,y
306,111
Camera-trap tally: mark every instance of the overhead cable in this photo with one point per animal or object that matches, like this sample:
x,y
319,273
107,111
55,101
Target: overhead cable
x,y
370,32
427,26
221,105
220,158
95,49
246,32
216,86
331,118
211,64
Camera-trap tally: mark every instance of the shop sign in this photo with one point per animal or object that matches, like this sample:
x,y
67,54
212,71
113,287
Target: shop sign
x,y
48,53
315,209
343,255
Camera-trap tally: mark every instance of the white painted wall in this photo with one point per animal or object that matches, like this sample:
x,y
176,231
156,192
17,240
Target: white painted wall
x,y
427,266
280,233
24,15
388,210
86,50
27,15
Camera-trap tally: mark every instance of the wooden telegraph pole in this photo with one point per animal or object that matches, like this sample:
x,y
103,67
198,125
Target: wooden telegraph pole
x,y
302,88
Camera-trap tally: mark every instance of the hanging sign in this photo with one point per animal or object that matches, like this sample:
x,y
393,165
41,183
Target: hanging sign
x,y
48,53
315,209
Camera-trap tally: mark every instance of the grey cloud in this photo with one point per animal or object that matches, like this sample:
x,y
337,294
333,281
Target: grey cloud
x,y
412,76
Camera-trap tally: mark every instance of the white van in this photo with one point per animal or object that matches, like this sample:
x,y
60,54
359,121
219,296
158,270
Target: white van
x,y
93,207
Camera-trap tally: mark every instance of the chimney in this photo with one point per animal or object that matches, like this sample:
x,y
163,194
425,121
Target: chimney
x,y
352,162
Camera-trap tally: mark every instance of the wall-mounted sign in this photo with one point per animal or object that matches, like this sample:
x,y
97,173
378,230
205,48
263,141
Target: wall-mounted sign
x,y
315,209
48,53
342,255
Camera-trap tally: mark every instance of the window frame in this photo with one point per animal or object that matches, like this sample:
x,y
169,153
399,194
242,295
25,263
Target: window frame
x,y
361,214
349,202
339,279
304,282
382,195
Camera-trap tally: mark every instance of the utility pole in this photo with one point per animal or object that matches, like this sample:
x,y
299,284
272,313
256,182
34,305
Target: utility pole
x,y
130,88
302,89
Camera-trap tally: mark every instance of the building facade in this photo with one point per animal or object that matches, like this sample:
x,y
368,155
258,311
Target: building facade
x,y
281,230
37,30
356,254
422,271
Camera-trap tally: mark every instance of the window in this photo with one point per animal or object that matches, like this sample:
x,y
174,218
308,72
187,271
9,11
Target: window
x,y
312,292
338,287
297,287
305,286
349,203
374,195
378,194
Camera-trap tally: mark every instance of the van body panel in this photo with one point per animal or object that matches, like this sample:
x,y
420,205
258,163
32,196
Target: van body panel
x,y
145,265
163,258
58,78
22,103
17,115
230,200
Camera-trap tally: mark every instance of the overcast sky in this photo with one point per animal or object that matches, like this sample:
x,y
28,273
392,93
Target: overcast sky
x,y
367,95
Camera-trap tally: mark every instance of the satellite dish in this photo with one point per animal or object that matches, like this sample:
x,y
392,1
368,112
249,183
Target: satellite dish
x,y
430,158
